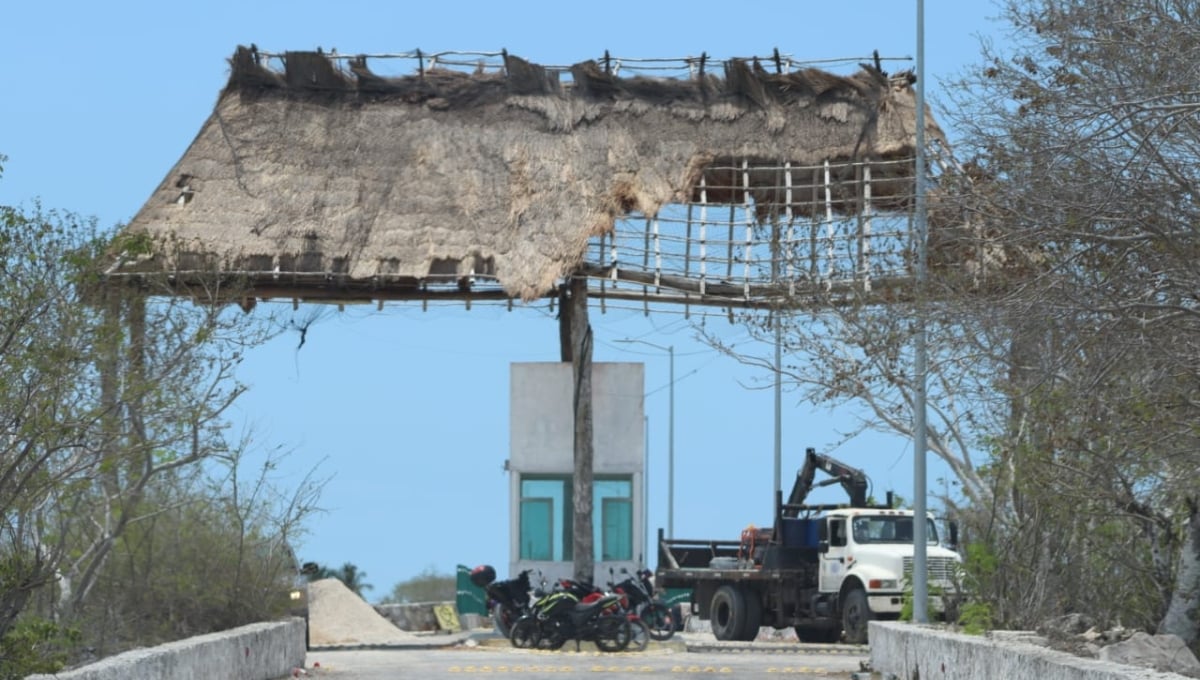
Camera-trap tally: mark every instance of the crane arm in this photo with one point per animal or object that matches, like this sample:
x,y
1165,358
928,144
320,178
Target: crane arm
x,y
853,480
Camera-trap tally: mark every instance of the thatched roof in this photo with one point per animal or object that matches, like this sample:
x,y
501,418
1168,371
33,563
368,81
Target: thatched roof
x,y
319,173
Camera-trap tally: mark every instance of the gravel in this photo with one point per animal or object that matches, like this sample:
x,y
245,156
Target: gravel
x,y
337,616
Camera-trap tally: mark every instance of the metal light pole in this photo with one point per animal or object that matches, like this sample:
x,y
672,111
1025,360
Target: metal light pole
x,y
920,360
671,446
646,492
670,350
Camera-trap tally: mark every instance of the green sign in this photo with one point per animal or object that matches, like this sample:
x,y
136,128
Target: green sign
x,y
469,598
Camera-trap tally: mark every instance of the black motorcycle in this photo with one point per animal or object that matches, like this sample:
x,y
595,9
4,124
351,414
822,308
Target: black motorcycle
x,y
655,613
564,615
508,600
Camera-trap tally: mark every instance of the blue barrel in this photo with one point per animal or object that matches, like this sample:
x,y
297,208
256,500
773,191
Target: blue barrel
x,y
800,533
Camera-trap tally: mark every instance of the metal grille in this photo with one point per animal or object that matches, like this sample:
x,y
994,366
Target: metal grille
x,y
939,568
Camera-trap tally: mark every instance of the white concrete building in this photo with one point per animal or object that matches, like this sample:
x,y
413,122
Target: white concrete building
x,y
541,468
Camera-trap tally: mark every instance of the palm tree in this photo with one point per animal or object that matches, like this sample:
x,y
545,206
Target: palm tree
x,y
349,575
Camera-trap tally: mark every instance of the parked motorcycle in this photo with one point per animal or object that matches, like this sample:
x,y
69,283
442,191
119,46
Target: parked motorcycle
x,y
563,615
640,635
508,600
639,589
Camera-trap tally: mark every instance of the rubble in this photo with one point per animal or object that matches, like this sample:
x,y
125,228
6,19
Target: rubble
x,y
1159,652
1077,634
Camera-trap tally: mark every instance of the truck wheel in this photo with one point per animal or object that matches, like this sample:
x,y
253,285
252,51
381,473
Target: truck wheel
x,y
855,616
727,613
753,619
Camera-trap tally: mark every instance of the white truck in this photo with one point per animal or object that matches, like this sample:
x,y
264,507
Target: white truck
x,y
824,570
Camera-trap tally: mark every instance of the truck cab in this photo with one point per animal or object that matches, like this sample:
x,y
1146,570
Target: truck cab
x,y
871,549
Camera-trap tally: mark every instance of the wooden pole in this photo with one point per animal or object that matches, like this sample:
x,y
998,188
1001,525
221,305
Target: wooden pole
x,y
576,332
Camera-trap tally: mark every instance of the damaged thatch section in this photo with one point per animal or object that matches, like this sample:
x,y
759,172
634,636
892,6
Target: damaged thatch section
x,y
321,176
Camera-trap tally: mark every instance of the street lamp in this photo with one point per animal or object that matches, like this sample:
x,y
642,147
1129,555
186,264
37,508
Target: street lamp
x,y
670,350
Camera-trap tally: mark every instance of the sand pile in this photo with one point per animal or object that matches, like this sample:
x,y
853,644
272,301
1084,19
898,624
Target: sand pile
x,y
336,616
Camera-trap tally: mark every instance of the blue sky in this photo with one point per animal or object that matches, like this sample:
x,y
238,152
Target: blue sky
x,y
407,410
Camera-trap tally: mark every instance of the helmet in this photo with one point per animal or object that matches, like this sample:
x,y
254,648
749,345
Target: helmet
x,y
483,575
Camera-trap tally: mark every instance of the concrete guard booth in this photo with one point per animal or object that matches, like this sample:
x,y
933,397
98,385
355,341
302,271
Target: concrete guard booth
x,y
541,466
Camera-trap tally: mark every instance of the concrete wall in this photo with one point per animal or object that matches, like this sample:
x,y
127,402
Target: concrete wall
x,y
542,417
905,651
421,617
260,651
413,617
542,440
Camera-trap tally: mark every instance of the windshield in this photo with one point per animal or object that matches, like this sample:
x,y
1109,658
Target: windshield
x,y
889,529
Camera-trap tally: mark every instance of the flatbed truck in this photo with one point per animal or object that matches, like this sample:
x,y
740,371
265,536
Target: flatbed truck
x,y
823,570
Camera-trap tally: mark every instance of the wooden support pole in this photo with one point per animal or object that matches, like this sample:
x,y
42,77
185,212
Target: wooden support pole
x,y
576,333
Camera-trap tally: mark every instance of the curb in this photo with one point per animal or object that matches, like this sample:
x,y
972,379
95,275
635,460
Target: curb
x,y
419,642
677,643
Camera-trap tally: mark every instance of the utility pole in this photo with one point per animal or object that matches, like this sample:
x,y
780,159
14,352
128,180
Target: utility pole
x,y
670,350
920,574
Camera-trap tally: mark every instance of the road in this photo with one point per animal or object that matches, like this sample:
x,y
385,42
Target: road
x,y
667,660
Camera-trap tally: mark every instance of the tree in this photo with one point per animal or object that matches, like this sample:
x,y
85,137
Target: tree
x,y
348,574
214,554
428,586
50,445
104,391
1061,316
1085,146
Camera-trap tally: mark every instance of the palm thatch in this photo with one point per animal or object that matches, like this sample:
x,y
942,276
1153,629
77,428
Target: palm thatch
x,y
322,175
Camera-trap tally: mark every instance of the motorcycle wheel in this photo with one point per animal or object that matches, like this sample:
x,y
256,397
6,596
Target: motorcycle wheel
x,y
659,620
503,620
613,632
639,635
526,634
554,634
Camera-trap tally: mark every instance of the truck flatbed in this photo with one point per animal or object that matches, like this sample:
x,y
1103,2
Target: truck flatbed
x,y
685,562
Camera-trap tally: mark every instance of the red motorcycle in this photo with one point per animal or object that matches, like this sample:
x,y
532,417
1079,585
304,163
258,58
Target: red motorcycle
x,y
639,589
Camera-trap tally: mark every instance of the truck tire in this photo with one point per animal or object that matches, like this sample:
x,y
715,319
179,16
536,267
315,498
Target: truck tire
x,y
753,619
855,616
727,614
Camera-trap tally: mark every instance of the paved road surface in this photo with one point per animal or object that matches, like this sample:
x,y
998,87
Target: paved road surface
x,y
496,660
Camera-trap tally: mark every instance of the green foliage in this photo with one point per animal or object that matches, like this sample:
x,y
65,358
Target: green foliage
x,y
906,604
975,617
348,574
134,244
907,600
428,586
197,565
120,479
35,646
980,562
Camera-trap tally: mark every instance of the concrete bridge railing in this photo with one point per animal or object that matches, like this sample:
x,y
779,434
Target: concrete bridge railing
x,y
905,651
259,651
